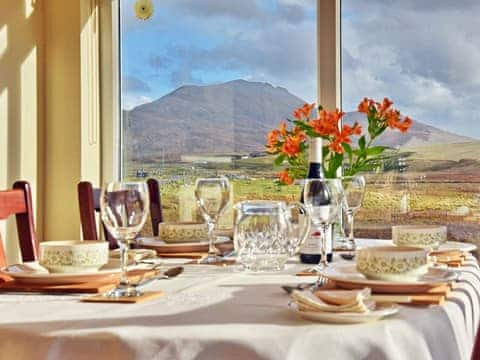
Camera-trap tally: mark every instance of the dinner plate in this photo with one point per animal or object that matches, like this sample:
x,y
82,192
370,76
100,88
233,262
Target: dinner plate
x,y
346,276
451,246
345,318
41,276
165,248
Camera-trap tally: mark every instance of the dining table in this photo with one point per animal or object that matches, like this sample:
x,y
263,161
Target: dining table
x,y
222,312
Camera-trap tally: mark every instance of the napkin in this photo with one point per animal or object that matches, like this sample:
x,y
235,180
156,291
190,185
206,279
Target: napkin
x,y
135,254
345,301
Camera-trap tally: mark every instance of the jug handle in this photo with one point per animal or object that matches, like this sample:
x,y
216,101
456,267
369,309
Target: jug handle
x,y
306,226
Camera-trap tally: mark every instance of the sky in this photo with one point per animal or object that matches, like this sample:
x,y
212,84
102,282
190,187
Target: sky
x,y
424,55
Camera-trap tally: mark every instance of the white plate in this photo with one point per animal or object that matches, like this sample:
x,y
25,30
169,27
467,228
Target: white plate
x,y
348,272
42,276
344,318
456,246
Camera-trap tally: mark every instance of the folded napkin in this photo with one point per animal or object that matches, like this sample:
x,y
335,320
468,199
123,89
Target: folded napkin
x,y
135,254
353,301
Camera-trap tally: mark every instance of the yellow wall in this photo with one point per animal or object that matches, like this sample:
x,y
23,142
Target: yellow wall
x,y
40,125
62,131
21,100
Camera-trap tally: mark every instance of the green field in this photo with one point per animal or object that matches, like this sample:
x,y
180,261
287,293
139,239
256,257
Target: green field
x,y
436,187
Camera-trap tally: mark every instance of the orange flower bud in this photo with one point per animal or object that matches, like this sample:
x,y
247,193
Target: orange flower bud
x,y
285,178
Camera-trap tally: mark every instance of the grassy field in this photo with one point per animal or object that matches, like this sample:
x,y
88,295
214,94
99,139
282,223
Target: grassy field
x,y
438,187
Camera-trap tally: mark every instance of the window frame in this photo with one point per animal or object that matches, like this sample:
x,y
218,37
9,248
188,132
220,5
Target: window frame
x,y
328,77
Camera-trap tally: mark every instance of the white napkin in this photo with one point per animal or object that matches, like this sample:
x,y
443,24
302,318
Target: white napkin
x,y
331,301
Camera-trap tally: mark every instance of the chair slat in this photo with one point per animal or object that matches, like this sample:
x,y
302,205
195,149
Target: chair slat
x,y
18,202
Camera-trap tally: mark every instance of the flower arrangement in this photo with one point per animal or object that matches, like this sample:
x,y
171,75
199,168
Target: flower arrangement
x,y
291,144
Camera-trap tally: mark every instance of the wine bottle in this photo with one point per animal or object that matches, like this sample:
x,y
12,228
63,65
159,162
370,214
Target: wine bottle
x,y
310,250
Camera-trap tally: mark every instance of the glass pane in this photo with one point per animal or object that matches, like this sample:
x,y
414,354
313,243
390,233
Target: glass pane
x,y
203,81
423,55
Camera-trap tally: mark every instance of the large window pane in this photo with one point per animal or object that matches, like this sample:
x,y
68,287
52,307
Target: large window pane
x,y
424,55
203,81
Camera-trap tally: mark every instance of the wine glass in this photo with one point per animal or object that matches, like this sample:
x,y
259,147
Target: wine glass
x,y
354,189
212,196
124,208
323,199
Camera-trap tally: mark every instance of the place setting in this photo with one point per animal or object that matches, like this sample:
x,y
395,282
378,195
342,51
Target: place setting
x,y
201,242
376,278
89,267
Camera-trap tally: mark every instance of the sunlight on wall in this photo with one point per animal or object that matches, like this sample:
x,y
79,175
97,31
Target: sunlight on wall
x,y
29,7
3,39
3,147
3,137
28,116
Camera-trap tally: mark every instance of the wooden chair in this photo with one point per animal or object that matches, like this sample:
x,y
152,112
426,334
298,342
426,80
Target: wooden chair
x,y
18,202
89,203
476,346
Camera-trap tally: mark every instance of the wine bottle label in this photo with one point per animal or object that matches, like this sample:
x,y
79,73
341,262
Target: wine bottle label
x,y
312,245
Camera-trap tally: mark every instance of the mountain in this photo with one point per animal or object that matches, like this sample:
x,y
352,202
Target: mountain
x,y
232,117
227,118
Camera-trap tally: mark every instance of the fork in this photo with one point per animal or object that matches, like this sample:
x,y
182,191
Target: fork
x,y
321,281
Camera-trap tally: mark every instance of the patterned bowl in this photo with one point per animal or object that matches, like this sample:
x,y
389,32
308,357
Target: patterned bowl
x,y
424,236
183,232
392,263
73,256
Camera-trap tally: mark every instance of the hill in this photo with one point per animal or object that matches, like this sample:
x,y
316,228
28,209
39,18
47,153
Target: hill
x,y
232,117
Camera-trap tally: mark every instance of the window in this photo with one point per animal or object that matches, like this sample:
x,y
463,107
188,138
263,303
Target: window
x,y
202,84
423,55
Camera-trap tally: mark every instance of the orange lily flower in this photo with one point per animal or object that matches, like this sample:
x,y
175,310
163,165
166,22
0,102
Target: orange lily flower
x,y
291,146
365,105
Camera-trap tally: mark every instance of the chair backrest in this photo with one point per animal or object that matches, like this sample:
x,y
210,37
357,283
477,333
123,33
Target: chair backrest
x,y
18,202
155,204
89,202
476,346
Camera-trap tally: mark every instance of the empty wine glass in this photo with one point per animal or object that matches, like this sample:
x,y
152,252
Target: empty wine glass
x,y
212,196
323,199
124,208
354,189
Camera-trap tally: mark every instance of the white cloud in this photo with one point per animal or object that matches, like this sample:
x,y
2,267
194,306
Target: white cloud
x,y
422,54
130,100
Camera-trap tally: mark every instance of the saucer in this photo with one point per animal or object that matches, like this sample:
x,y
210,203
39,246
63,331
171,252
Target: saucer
x,y
345,318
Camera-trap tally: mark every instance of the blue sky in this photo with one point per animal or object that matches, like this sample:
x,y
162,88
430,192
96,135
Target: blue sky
x,y
424,55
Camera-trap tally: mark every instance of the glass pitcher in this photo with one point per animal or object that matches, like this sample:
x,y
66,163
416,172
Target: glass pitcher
x,y
267,233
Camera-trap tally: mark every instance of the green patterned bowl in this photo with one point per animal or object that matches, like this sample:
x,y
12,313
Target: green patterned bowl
x,y
73,256
392,263
182,232
424,236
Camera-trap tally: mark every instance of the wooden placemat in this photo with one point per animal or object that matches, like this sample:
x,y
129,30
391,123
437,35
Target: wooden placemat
x,y
93,287
147,295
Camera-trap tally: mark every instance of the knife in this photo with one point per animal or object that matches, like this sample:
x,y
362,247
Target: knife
x,y
168,274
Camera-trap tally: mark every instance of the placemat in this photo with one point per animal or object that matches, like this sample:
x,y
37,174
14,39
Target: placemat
x,y
83,288
147,295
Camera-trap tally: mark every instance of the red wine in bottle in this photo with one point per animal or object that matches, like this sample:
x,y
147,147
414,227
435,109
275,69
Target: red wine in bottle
x,y
310,251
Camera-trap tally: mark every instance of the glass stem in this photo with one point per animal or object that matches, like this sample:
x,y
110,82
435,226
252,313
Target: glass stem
x,y
212,250
123,245
350,217
323,246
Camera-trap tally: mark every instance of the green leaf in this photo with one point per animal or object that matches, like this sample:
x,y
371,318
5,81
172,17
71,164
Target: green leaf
x,y
362,142
279,159
347,148
333,164
375,150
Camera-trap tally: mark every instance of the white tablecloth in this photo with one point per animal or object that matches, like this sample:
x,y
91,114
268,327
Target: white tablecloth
x,y
219,313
